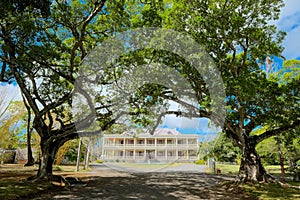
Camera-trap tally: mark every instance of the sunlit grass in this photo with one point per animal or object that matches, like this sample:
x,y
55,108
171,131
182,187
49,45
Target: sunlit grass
x,y
228,169
265,191
234,169
272,191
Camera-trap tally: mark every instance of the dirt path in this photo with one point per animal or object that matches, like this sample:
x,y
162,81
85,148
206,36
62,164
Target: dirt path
x,y
109,184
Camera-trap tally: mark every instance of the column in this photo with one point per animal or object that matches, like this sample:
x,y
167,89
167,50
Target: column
x,y
166,151
102,149
166,154
197,142
134,146
176,146
124,148
155,148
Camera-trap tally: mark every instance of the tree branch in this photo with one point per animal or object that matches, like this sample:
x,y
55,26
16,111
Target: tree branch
x,y
270,133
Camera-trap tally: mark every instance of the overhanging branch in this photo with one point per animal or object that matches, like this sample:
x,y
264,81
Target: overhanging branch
x,y
270,133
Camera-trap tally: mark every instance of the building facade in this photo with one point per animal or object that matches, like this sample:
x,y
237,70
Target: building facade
x,y
165,145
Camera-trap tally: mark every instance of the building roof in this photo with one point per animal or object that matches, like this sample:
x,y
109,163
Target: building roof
x,y
160,131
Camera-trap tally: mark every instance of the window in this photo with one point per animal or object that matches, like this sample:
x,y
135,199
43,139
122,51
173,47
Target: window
x,y
181,141
150,141
140,141
160,141
180,153
171,142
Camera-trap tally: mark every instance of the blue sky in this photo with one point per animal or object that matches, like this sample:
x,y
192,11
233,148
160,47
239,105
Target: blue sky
x,y
289,22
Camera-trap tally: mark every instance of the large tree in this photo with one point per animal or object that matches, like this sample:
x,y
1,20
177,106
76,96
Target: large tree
x,y
238,36
42,46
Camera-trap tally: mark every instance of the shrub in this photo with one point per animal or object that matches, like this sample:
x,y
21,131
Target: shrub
x,y
200,162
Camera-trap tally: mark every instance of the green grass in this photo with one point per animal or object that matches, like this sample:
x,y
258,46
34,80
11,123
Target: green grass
x,y
228,169
13,184
13,189
273,169
265,191
234,169
272,191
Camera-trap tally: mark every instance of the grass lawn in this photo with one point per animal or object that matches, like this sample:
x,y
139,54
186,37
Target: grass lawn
x,y
14,186
234,169
272,191
265,191
228,169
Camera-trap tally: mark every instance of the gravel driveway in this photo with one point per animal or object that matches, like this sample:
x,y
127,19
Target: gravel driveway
x,y
108,183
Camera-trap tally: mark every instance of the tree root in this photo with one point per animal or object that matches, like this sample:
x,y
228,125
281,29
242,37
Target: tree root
x,y
267,178
58,180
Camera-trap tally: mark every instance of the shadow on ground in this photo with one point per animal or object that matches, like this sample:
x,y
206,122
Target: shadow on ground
x,y
152,186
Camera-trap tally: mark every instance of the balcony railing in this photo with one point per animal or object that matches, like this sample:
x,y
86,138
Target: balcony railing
x,y
143,157
184,146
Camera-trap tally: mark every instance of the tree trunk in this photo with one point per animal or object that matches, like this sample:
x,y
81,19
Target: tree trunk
x,y
78,155
251,168
87,154
49,150
281,158
30,160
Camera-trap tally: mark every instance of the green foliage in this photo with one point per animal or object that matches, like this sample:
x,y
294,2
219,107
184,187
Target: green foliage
x,y
99,161
200,162
50,46
222,149
268,151
12,125
71,153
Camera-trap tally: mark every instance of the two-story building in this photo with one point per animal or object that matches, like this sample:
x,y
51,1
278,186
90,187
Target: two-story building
x,y
165,145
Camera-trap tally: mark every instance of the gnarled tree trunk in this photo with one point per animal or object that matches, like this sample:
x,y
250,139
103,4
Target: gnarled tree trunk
x,y
251,168
49,150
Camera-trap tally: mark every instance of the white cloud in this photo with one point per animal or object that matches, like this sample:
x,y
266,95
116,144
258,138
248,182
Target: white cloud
x,y
291,44
291,7
289,21
201,125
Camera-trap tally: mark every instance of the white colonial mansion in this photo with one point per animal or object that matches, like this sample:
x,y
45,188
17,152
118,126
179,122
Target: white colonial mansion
x,y
165,145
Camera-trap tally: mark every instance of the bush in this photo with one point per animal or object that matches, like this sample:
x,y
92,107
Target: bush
x,y
99,161
57,168
200,162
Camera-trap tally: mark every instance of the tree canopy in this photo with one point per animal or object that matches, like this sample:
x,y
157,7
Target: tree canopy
x,y
43,46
